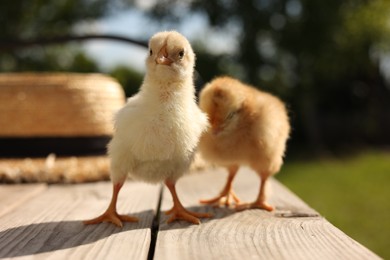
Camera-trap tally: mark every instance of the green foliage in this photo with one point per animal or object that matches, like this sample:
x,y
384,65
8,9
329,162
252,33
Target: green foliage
x,y
352,193
319,56
82,63
24,20
130,79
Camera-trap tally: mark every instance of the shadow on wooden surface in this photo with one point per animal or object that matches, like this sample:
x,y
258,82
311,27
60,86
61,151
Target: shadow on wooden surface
x,y
53,236
46,222
292,231
217,213
43,222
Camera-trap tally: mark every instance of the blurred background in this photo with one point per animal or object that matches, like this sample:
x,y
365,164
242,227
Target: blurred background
x,y
328,60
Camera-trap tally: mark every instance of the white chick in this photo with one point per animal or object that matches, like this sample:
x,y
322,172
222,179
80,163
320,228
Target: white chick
x,y
248,127
158,130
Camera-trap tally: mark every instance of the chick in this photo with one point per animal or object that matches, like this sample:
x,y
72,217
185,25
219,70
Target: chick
x,y
157,131
248,127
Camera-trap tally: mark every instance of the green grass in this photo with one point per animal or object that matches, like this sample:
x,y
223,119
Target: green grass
x,y
352,193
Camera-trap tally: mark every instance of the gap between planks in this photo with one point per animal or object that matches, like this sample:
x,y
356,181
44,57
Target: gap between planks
x,y
48,225
155,226
292,231
233,235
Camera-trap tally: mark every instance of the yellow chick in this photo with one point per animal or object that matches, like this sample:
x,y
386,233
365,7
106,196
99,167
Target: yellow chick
x,y
158,130
248,127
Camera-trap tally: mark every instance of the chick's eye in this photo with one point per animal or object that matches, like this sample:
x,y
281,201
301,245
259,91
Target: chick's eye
x,y
150,52
181,54
232,114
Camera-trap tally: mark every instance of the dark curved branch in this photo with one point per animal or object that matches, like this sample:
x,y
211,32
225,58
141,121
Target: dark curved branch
x,y
18,44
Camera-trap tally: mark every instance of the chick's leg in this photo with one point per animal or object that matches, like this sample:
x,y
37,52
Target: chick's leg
x,y
178,211
227,192
260,202
111,215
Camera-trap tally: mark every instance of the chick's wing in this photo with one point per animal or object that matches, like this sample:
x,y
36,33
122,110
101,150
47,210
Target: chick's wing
x,y
144,132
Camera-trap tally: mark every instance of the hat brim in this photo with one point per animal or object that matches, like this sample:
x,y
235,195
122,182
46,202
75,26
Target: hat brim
x,y
73,169
55,170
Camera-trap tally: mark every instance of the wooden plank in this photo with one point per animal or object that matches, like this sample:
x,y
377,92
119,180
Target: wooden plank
x,y
12,196
282,234
50,226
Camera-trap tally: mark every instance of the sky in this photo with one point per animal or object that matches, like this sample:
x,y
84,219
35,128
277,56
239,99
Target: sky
x,y
131,23
111,53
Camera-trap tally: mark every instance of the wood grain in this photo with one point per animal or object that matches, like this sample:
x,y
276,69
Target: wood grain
x,y
44,222
292,231
12,196
49,225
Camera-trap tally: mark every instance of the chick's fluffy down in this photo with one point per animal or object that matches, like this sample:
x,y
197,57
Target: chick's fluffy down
x,y
254,134
156,143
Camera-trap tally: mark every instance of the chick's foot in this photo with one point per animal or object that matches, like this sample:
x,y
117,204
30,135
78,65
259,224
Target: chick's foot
x,y
224,199
110,215
180,213
255,205
113,217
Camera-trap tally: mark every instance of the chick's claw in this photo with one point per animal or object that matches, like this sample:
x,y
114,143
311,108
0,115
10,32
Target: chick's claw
x,y
183,214
255,205
112,217
224,199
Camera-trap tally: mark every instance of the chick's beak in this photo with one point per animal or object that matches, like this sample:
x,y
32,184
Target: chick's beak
x,y
216,130
162,57
216,126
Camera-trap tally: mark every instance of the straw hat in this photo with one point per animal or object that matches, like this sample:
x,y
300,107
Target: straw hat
x,y
58,105
48,114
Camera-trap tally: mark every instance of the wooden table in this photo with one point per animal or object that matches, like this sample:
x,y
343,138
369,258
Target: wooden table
x,y
39,221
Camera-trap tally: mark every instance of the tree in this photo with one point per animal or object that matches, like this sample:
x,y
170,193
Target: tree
x,y
322,57
24,20
317,55
128,78
55,21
